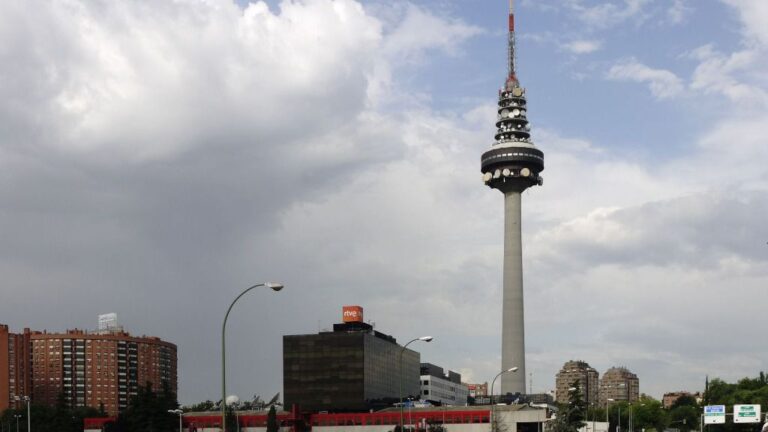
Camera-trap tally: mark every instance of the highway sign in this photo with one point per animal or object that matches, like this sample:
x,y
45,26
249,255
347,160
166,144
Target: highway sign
x,y
714,414
746,413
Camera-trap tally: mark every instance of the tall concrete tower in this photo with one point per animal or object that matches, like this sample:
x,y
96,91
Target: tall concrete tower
x,y
512,165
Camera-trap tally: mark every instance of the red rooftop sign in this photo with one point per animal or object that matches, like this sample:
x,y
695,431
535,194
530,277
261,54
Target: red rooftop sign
x,y
352,314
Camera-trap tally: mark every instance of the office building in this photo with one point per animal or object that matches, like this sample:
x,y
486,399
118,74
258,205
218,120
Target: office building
x,y
353,367
90,369
577,374
441,387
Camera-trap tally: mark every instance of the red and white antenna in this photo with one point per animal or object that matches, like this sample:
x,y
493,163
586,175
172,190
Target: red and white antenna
x,y
512,79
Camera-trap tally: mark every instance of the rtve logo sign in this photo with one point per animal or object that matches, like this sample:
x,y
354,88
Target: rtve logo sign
x,y
352,314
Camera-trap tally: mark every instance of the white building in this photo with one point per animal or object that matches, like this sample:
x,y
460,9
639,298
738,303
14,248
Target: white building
x,y
442,387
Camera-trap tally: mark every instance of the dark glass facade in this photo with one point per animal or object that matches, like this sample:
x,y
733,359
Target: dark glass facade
x,y
352,368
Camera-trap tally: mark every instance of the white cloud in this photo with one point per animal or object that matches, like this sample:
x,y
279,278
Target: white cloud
x,y
678,11
582,46
754,15
420,30
729,75
608,14
663,84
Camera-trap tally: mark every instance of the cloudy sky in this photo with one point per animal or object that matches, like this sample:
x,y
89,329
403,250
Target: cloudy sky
x,y
156,158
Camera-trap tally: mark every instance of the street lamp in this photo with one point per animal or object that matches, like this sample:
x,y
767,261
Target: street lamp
x,y
423,339
179,413
275,287
29,418
493,406
17,421
631,425
608,404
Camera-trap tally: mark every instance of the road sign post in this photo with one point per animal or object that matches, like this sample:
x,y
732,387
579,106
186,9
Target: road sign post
x,y
714,414
746,414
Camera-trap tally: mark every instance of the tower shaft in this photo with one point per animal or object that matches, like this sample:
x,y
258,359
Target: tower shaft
x,y
513,322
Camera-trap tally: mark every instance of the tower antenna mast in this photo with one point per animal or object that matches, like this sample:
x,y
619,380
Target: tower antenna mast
x,y
512,79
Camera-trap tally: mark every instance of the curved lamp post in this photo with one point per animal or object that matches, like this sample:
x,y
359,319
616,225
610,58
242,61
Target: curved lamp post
x,y
512,369
179,413
423,339
275,287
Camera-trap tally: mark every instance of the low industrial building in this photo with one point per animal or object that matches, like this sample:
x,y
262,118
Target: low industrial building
x,y
509,418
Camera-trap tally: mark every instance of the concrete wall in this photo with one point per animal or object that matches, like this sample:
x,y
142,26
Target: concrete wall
x,y
595,427
510,418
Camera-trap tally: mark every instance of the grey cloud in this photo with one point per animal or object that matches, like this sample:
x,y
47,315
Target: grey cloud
x,y
150,153
696,231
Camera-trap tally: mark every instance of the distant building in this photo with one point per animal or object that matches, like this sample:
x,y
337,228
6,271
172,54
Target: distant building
x,y
350,368
15,377
441,387
540,398
669,399
573,372
619,384
89,369
477,390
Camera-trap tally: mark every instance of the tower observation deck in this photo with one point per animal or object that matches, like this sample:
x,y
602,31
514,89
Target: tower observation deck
x,y
511,165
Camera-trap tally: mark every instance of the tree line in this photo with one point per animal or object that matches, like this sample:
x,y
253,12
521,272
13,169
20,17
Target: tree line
x,y
147,411
649,414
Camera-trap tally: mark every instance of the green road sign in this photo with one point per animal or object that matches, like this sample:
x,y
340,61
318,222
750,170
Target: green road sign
x,y
746,413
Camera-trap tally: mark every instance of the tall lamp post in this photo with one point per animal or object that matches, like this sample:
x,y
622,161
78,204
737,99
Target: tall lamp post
x,y
631,425
275,287
29,418
17,421
423,339
512,369
179,413
607,410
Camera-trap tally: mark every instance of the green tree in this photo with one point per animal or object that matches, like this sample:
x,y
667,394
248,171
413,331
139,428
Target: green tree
x,y
201,407
684,417
57,418
685,400
148,411
570,416
649,414
231,419
272,425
